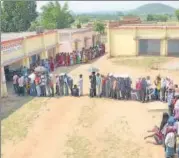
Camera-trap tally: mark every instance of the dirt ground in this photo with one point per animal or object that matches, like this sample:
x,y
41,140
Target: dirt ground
x,y
83,127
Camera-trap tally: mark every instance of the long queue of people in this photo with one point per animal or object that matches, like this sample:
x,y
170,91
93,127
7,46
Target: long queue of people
x,y
23,85
79,57
119,87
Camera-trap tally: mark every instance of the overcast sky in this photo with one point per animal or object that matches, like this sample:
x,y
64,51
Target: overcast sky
x,y
90,6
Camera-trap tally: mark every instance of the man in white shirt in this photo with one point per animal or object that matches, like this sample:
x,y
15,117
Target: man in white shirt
x,y
21,85
170,144
80,85
15,82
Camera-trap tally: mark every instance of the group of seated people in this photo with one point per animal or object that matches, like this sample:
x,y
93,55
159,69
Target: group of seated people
x,y
168,131
78,57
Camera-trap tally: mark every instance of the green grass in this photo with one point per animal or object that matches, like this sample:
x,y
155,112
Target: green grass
x,y
145,62
15,126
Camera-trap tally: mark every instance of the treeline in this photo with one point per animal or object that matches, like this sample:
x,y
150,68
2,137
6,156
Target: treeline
x,y
159,18
19,16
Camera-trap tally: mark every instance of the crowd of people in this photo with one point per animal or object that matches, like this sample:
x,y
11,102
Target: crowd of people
x,y
78,57
119,87
42,84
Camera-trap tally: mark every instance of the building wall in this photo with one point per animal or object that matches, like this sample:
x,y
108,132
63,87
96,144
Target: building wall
x,y
11,51
80,36
27,47
19,51
124,40
120,40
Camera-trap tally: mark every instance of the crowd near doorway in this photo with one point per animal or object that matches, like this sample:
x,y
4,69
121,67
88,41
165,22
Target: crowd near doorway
x,y
34,59
149,47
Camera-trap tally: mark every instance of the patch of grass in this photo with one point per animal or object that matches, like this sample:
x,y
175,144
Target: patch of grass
x,y
78,147
145,62
15,126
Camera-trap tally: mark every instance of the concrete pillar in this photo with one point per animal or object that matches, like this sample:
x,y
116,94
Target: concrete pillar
x,y
26,62
137,42
164,44
3,84
44,55
164,47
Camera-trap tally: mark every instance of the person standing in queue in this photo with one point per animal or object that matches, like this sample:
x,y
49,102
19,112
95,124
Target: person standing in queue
x,y
94,83
80,85
143,89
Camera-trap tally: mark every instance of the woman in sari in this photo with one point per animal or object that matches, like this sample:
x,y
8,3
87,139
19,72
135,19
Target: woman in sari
x,y
74,58
68,59
78,58
51,65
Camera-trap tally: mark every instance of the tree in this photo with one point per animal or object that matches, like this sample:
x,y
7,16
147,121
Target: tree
x,y
54,16
99,27
177,14
83,19
150,17
119,13
34,25
78,25
161,18
17,15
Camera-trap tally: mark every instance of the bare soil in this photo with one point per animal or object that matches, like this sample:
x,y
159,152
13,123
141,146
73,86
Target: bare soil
x,y
82,127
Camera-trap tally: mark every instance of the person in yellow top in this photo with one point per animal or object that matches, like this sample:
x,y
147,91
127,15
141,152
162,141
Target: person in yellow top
x,y
157,83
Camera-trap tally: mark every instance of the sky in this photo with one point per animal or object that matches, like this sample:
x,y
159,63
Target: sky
x,y
93,6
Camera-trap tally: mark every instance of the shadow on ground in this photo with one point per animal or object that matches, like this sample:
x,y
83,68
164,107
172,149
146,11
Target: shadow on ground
x,y
13,102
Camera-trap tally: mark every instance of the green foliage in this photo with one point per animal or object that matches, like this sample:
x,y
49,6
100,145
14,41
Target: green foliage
x,y
99,27
17,15
78,25
85,18
55,16
177,14
158,18
34,25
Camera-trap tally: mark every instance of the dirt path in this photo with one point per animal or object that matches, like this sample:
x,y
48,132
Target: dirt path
x,y
90,128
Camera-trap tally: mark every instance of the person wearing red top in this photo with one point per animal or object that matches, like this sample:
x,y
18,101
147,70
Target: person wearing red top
x,y
139,88
60,59
37,83
51,66
68,59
